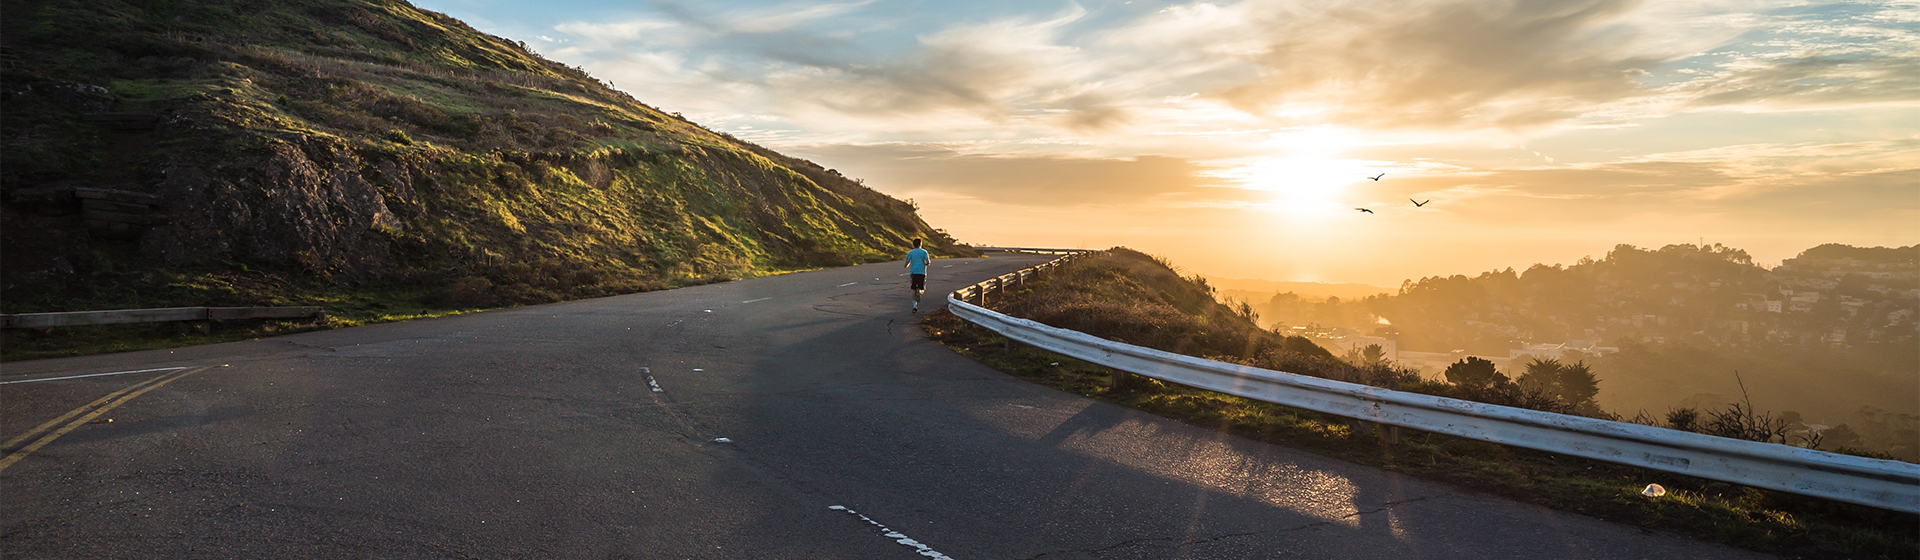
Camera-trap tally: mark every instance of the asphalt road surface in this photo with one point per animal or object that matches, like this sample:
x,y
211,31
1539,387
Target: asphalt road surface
x,y
799,416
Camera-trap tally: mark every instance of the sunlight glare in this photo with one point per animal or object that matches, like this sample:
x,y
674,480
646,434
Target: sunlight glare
x,y
1306,177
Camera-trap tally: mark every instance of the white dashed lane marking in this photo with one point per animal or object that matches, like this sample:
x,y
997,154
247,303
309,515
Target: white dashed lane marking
x,y
754,300
846,284
897,536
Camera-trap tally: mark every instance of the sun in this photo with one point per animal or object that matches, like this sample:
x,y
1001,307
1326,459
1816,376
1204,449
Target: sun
x,y
1308,173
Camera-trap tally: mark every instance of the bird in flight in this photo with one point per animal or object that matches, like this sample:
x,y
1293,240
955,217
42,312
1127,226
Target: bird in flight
x,y
1419,203
1364,210
1377,177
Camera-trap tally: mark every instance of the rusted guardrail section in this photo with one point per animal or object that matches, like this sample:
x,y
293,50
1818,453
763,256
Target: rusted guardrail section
x,y
1893,485
157,315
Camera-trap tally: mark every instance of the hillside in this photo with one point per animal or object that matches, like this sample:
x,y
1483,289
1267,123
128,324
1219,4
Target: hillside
x,y
360,152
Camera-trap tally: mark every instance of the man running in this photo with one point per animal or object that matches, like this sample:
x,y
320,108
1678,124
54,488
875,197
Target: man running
x,y
917,261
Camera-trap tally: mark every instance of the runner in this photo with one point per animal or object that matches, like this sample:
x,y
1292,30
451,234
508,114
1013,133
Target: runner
x,y
917,261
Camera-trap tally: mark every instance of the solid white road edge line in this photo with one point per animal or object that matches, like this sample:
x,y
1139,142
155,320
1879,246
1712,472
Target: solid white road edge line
x,y
897,536
91,375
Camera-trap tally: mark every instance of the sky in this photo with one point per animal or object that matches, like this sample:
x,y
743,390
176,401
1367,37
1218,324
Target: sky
x,y
1239,138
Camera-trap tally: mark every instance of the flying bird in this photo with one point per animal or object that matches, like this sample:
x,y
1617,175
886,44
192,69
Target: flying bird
x,y
1419,203
1364,210
1377,177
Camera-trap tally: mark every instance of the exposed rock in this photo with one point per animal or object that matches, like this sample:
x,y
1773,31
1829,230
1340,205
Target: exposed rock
x,y
279,207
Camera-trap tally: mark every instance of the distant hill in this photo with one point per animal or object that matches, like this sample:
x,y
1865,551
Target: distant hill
x,y
1909,255
257,152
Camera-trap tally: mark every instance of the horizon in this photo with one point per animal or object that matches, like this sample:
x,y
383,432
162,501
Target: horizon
x,y
1239,139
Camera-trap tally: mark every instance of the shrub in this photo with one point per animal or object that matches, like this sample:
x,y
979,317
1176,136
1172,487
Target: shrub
x,y
400,137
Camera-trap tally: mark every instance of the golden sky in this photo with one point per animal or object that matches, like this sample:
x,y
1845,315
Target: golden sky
x,y
1237,138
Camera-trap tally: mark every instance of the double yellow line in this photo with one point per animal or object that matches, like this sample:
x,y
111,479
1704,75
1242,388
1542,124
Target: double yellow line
x,y
97,408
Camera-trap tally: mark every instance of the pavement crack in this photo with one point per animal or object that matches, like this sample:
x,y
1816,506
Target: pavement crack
x,y
1385,506
303,344
817,308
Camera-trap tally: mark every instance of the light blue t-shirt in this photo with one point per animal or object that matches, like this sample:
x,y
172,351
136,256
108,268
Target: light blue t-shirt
x,y
917,261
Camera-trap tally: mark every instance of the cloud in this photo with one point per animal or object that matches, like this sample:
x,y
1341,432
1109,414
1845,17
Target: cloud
x,y
1038,181
1378,64
1813,81
1864,182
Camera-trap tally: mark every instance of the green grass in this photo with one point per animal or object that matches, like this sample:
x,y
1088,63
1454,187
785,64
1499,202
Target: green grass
x,y
1774,522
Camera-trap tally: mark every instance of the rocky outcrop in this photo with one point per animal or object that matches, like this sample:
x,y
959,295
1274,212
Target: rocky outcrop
x,y
301,203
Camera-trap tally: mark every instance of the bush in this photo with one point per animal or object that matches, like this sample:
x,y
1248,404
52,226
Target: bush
x,y
400,137
1474,373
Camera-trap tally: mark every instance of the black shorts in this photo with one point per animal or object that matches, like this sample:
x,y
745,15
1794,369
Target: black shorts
x,y
919,281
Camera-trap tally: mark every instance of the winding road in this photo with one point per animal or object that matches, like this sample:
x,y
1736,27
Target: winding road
x,y
797,416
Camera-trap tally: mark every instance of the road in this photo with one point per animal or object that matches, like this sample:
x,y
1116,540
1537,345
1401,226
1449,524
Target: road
x,y
798,416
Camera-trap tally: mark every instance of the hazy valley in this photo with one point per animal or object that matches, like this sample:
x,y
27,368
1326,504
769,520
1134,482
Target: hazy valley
x,y
1827,338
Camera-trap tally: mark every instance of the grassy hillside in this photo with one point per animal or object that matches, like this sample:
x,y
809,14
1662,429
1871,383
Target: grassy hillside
x,y
375,158
1132,297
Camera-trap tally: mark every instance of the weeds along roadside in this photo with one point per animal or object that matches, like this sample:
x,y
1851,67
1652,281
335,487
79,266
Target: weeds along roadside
x,y
1135,298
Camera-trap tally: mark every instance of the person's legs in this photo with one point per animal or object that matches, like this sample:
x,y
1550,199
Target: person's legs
x,y
919,286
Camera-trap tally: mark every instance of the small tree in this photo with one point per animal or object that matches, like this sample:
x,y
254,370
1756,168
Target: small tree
x,y
1579,386
1474,373
1542,376
1373,355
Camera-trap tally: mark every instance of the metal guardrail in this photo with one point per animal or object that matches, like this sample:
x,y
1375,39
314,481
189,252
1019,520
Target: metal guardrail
x,y
1893,485
158,315
978,291
1035,250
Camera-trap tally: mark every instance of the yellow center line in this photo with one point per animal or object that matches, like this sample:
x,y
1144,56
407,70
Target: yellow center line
x,y
75,412
124,396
